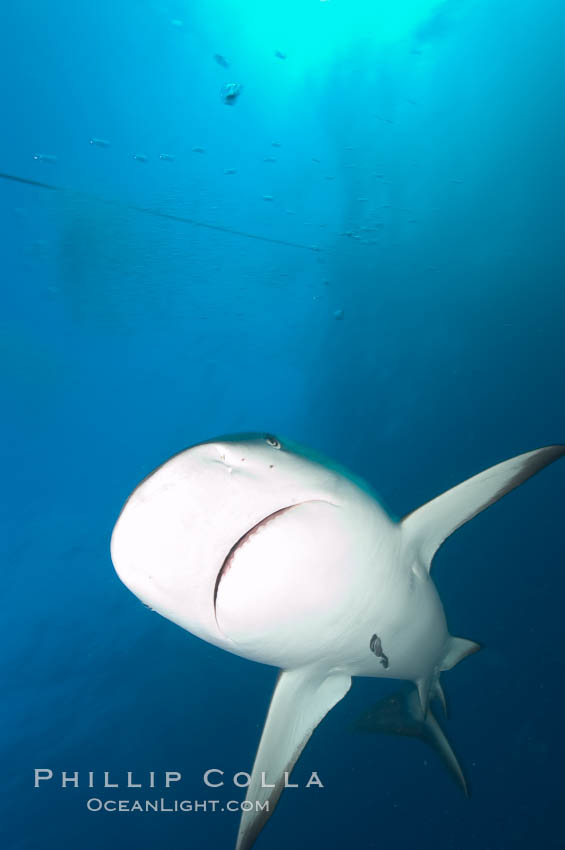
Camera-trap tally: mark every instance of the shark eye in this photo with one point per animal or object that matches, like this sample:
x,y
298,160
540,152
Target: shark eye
x,y
272,441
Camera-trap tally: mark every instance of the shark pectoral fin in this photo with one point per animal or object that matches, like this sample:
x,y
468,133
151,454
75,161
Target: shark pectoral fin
x,y
425,529
301,699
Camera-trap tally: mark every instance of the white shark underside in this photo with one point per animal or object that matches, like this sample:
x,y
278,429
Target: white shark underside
x,y
278,555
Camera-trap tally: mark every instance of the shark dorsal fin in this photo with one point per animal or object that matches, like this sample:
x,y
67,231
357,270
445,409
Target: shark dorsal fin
x,y
426,528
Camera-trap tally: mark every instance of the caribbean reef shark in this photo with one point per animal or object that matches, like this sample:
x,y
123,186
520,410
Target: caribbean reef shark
x,y
270,551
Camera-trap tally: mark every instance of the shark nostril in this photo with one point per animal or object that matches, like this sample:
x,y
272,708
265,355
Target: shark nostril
x,y
230,455
222,453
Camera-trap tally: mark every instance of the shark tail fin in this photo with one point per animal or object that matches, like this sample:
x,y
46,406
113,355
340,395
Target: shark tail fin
x,y
438,693
401,714
425,529
433,734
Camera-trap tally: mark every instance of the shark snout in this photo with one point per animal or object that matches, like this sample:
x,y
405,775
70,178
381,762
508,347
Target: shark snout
x,y
230,454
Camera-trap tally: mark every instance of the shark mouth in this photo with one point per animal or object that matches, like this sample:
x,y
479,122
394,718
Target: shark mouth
x,y
228,560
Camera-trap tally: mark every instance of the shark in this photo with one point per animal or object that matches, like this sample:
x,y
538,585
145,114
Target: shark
x,y
401,713
273,552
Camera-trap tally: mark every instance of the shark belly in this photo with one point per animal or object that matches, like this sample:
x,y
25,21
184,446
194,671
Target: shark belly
x,y
294,594
407,623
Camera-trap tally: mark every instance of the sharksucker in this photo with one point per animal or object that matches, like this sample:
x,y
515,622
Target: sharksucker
x,y
298,561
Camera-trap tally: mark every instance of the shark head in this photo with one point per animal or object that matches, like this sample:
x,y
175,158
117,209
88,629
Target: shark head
x,y
241,540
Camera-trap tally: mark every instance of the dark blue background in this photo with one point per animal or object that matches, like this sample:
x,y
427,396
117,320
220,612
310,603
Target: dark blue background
x,y
126,337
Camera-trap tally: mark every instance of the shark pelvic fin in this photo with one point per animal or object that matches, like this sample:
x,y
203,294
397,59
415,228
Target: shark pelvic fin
x,y
457,650
429,687
425,529
301,699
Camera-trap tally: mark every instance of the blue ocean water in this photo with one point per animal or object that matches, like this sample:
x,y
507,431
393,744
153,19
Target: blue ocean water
x,y
407,164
